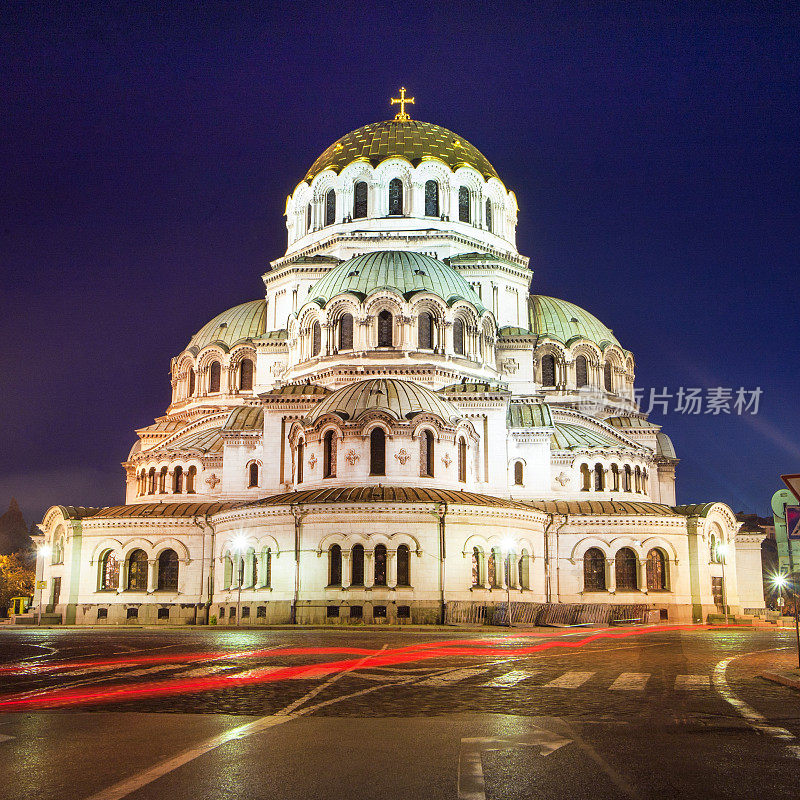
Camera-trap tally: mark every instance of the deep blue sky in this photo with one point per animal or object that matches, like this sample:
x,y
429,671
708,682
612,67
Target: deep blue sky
x,y
145,158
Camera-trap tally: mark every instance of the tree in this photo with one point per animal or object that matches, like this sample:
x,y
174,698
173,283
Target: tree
x,y
17,579
14,536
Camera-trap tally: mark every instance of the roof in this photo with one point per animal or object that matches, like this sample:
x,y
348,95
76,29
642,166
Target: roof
x,y
694,509
406,273
207,440
246,418
163,425
576,437
78,512
564,322
408,138
529,415
401,399
604,507
513,330
245,321
162,510
631,422
664,446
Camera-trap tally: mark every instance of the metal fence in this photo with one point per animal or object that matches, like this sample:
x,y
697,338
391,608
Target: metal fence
x,y
466,612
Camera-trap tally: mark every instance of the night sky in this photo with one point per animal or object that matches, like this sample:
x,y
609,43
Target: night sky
x,y
145,159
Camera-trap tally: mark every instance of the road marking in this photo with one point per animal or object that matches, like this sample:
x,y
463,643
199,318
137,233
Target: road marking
x,y
569,680
4,737
150,670
511,678
454,677
630,682
202,672
754,719
685,683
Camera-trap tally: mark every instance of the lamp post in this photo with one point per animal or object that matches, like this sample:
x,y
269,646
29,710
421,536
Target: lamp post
x,y
239,546
722,552
507,546
44,551
780,581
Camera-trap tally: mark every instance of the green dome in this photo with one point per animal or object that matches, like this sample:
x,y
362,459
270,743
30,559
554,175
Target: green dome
x,y
565,322
240,322
401,399
406,138
406,273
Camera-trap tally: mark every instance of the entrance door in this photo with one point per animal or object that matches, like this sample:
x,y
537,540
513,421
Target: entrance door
x,y
716,590
56,592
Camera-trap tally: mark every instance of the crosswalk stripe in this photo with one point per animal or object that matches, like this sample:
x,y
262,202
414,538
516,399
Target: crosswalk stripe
x,y
690,682
73,673
202,672
630,682
454,676
137,673
511,678
569,680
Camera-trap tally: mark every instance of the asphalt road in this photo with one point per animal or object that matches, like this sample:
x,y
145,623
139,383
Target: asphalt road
x,y
461,715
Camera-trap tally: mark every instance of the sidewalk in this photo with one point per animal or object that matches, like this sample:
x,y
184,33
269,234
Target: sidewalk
x,y
789,678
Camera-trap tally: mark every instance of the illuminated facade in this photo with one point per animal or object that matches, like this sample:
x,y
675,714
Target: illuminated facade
x,y
397,423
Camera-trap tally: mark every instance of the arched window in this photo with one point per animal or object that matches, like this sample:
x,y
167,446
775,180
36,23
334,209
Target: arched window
x,y
177,481
346,332
607,377
330,207
403,565
599,478
518,473
644,481
656,570
425,331
168,571
493,573
214,376
377,452
463,204
151,481
626,479
246,375
426,454
637,479
379,556
266,568
191,480
191,382
137,571
308,217
329,455
385,324
458,335
227,572
300,454
142,482
476,566
431,199
109,571
396,196
548,370
594,570
523,574
335,565
252,476
625,569
586,484
357,565
162,481
316,338
360,200
58,551
462,460
489,215
581,371
614,478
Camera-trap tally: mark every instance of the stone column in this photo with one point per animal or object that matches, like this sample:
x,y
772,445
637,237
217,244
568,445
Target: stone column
x,y
642,575
611,575
152,575
346,575
369,569
391,569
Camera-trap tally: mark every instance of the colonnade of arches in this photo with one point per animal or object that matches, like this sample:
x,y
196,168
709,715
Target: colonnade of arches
x,y
624,572
607,372
250,569
208,376
138,573
491,569
614,479
166,481
349,568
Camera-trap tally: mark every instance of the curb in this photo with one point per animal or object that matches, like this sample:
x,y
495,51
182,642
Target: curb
x,y
785,680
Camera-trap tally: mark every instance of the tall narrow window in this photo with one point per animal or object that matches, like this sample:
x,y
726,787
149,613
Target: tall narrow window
x,y
377,452
458,335
329,455
346,332
357,565
385,324
425,331
548,370
191,382
594,570
177,481
191,480
266,569
403,565
476,566
360,200
316,338
109,571
614,478
462,460
656,571
518,473
489,226
214,376
308,217
151,481
644,481
330,207
137,571
335,565
168,571
396,196
607,377
581,371
463,204
379,555
585,478
426,454
493,574
599,478
252,476
246,375
626,479
523,571
300,455
625,568
431,199
162,481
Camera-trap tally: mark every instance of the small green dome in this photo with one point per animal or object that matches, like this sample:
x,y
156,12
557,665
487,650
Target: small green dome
x,y
240,322
406,273
401,399
404,138
565,322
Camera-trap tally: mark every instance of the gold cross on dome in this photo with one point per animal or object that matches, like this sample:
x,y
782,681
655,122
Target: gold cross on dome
x,y
402,100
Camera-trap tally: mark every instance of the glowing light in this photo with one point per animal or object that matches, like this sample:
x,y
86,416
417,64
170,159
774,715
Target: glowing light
x,y
779,581
45,550
239,543
507,545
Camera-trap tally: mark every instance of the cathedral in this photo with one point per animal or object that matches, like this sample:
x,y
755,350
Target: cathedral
x,y
397,430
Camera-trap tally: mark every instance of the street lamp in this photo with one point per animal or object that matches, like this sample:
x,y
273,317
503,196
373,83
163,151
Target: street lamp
x,y
239,546
44,551
507,546
722,552
780,581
